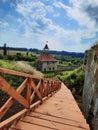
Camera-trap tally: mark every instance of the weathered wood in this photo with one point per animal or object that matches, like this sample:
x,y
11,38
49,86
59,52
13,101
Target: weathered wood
x,y
7,88
11,100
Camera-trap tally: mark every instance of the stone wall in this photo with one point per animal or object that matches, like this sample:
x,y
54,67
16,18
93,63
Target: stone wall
x,y
49,66
67,68
90,91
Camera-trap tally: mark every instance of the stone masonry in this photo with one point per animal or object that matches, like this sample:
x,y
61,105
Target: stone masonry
x,y
90,92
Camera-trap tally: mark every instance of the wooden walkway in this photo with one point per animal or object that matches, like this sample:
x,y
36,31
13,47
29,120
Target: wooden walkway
x,y
59,112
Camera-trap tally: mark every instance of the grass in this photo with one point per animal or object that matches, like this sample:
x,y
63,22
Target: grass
x,y
11,52
20,66
25,67
73,79
8,64
49,75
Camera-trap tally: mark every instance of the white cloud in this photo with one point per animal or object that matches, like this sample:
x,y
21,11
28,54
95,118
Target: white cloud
x,y
4,24
78,12
38,27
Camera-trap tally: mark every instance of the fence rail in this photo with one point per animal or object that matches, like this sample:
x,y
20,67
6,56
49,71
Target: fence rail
x,y
41,87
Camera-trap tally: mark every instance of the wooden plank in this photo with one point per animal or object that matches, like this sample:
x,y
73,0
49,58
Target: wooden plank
x,y
64,106
41,87
14,129
6,87
13,118
47,88
28,90
28,126
10,120
55,114
36,90
11,100
48,124
12,72
57,119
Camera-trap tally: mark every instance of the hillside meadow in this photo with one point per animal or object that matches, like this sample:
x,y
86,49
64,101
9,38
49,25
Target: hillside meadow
x,y
24,61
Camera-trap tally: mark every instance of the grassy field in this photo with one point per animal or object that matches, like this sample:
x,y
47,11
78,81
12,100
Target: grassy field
x,y
20,66
13,52
8,64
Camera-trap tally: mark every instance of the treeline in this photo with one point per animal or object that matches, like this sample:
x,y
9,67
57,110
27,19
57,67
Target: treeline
x,y
37,51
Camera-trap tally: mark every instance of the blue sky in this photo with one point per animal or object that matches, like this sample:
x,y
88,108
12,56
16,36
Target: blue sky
x,y
69,25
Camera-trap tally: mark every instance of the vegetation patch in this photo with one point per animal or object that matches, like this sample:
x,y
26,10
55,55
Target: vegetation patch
x,y
74,80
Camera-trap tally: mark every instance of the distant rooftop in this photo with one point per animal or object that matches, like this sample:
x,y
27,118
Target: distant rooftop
x,y
45,57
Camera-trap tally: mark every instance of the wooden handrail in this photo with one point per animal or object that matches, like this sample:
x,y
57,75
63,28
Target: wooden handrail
x,y
43,87
16,73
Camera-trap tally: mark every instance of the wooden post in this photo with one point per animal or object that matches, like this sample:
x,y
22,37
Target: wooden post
x,y
28,90
35,89
47,88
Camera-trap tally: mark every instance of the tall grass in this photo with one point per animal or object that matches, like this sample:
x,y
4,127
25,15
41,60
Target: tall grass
x,y
24,67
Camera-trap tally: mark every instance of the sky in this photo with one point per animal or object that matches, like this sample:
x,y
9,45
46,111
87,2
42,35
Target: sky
x,y
68,25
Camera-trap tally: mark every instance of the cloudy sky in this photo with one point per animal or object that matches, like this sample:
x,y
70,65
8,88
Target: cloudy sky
x,y
69,25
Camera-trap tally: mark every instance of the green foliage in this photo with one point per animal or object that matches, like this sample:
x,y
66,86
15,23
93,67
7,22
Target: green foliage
x,y
19,56
1,56
74,79
49,75
12,80
69,60
7,64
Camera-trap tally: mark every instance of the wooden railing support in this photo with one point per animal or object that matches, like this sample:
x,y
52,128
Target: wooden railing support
x,y
42,87
11,100
6,87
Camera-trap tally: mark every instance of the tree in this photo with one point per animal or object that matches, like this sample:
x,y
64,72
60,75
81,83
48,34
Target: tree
x,y
4,50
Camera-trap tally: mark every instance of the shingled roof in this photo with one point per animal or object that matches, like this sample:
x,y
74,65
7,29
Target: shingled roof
x,y
45,57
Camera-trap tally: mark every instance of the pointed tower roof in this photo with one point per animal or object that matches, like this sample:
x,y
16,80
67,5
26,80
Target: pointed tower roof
x,y
46,47
45,56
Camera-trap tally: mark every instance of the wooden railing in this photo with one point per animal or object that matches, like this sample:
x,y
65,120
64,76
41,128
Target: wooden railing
x,y
41,87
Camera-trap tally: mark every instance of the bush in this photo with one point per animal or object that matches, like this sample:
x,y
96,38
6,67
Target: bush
x,y
74,79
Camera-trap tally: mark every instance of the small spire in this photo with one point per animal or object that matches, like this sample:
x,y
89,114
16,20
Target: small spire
x,y
46,46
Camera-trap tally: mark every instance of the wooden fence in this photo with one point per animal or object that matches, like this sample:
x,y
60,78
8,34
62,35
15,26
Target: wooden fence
x,y
34,86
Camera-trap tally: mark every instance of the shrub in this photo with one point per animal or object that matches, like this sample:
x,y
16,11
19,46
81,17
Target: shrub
x,y
75,79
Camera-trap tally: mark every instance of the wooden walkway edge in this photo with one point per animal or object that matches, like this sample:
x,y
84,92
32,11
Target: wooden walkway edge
x,y
59,112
